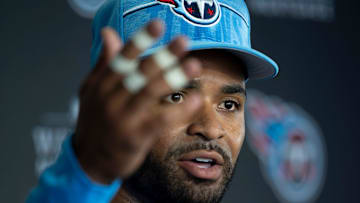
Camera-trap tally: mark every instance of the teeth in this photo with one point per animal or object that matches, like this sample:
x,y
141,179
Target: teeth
x,y
204,160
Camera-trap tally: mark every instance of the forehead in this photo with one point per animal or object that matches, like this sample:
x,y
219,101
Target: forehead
x,y
220,67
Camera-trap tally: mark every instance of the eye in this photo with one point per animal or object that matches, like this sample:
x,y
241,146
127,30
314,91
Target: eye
x,y
229,105
175,98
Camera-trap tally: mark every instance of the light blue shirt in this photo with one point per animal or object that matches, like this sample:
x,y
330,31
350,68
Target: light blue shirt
x,y
66,182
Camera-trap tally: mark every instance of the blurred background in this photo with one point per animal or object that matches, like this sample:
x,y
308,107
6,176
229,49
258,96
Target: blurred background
x,y
45,54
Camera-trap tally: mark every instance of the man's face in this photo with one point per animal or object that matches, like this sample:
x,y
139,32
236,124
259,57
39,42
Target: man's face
x,y
194,161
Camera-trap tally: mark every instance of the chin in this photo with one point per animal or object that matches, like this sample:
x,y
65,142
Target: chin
x,y
168,182
184,187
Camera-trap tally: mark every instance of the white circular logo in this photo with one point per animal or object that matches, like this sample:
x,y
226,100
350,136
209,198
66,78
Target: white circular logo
x,y
289,146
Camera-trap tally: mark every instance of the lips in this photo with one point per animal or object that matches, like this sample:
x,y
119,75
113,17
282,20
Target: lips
x,y
203,164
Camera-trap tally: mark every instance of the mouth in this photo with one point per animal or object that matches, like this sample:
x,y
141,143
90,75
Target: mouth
x,y
203,164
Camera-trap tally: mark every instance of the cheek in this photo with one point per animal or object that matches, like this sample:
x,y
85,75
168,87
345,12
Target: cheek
x,y
236,134
168,137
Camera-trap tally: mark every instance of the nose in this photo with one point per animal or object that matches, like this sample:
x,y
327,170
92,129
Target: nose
x,y
206,126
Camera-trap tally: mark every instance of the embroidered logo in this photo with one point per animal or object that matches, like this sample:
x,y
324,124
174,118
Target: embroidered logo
x,y
196,12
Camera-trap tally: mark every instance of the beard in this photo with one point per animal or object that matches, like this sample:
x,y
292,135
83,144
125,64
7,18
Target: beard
x,y
164,181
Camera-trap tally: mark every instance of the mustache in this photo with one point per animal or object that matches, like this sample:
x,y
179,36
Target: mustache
x,y
176,151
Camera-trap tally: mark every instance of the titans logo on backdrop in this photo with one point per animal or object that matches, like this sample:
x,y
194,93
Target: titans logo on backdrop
x,y
289,146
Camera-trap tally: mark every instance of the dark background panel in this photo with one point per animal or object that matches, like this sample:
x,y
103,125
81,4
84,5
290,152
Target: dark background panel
x,y
45,55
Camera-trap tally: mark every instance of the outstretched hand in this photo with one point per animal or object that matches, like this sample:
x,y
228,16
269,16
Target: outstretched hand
x,y
120,117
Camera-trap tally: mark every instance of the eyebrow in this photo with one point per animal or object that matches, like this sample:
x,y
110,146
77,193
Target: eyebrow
x,y
233,89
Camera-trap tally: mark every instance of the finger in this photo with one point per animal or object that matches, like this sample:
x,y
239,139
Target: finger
x,y
111,45
164,58
152,67
138,106
143,39
126,62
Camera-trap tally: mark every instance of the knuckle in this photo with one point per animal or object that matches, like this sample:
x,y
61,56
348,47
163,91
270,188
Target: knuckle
x,y
149,68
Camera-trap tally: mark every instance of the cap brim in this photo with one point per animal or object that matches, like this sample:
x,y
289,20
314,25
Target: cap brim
x,y
258,65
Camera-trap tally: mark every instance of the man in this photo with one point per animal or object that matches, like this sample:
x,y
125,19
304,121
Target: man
x,y
158,123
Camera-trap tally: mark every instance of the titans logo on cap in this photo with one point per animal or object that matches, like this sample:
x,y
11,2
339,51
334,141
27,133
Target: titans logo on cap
x,y
196,12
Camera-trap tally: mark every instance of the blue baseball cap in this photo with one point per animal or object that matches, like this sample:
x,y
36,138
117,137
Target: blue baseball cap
x,y
209,24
